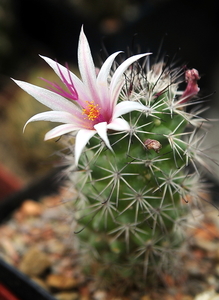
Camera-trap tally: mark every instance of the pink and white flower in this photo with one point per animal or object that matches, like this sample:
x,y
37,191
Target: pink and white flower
x,y
92,102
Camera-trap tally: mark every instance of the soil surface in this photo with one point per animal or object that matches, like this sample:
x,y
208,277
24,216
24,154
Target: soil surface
x,y
38,240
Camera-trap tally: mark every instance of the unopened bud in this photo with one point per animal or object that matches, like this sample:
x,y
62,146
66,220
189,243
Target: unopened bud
x,y
192,89
153,145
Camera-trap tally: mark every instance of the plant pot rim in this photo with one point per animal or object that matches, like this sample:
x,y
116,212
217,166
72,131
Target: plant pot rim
x,y
14,285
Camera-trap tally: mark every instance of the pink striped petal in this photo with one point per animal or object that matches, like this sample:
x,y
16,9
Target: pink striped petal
x,y
48,98
86,66
78,84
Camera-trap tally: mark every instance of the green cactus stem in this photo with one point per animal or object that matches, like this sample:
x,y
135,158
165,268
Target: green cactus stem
x,y
135,198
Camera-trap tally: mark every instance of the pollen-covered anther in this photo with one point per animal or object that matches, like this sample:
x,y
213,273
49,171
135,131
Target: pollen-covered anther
x,y
153,145
92,110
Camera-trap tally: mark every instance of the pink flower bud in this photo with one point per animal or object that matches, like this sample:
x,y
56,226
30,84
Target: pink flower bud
x,y
192,89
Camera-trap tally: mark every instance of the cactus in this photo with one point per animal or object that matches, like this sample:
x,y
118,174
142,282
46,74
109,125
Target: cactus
x,y
134,176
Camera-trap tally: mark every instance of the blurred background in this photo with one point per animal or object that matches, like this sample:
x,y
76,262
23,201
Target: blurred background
x,y
187,30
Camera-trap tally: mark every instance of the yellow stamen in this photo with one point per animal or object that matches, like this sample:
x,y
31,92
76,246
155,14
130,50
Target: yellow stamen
x,y
92,111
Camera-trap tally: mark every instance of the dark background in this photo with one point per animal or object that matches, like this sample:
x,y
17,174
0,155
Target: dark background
x,y
51,27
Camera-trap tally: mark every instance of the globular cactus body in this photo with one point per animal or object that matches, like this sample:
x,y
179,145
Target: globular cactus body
x,y
133,193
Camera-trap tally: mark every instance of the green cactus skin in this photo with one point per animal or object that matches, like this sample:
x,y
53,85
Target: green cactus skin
x,y
131,204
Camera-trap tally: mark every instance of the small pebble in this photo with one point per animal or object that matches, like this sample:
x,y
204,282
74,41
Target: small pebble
x,y
34,262
67,296
100,295
207,295
146,297
31,208
40,282
61,282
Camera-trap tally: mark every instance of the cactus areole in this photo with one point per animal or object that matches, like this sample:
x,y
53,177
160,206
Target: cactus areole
x,y
130,140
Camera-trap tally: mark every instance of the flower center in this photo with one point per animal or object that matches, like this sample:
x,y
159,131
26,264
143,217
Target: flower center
x,y
91,110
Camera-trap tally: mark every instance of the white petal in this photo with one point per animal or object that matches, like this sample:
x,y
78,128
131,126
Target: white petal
x,y
59,130
86,65
101,129
105,69
52,116
78,84
48,98
127,106
119,125
82,138
115,85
